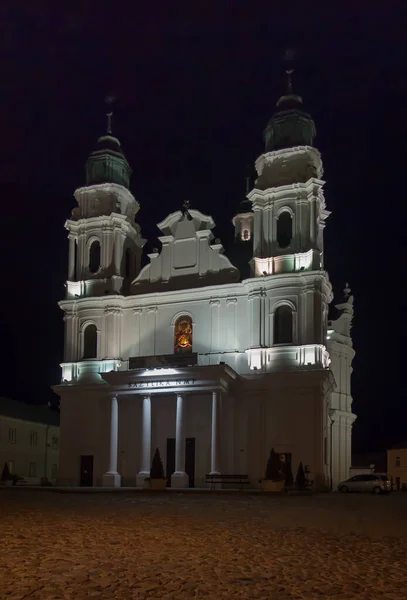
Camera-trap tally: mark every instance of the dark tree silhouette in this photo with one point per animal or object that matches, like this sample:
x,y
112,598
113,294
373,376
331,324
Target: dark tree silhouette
x,y
273,469
5,476
300,480
157,469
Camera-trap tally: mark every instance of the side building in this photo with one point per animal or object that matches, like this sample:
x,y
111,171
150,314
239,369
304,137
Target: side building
x,y
397,465
29,441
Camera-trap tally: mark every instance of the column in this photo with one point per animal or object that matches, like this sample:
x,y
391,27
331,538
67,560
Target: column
x,y
112,477
117,251
215,306
179,478
215,434
232,343
72,253
255,308
145,463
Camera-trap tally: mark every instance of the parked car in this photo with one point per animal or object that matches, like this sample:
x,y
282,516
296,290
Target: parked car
x,y
372,482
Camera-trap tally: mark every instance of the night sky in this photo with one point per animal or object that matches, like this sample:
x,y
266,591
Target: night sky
x,y
195,89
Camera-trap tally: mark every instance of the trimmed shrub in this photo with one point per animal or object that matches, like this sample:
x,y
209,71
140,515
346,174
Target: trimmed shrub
x,y
6,476
157,469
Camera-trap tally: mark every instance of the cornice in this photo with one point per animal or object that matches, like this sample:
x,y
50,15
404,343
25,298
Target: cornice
x,y
242,215
119,190
113,310
301,280
343,415
280,192
268,158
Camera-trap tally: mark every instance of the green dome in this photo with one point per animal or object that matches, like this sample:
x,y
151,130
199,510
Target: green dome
x,y
107,163
290,125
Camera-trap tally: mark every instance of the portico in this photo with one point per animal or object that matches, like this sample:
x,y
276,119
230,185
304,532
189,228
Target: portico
x,y
214,383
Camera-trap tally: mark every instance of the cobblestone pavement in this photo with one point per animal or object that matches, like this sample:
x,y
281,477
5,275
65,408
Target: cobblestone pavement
x,y
185,546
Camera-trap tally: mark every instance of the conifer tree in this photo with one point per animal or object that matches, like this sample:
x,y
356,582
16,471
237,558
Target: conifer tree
x,y
157,469
300,479
5,476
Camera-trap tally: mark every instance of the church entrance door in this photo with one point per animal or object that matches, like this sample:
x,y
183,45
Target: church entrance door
x,y
86,471
190,460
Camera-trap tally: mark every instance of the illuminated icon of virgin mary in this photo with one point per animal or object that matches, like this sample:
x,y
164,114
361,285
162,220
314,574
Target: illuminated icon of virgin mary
x,y
183,335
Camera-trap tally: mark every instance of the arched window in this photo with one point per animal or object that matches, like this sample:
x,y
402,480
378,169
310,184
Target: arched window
x,y
94,256
284,229
246,235
283,325
183,335
127,262
90,341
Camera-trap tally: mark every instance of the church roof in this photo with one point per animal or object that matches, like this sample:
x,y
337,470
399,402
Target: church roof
x,y
107,163
108,142
36,413
290,125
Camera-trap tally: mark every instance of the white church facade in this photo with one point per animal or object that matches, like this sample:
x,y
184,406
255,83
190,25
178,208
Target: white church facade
x,y
213,361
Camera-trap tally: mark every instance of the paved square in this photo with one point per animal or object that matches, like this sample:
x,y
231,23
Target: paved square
x,y
183,546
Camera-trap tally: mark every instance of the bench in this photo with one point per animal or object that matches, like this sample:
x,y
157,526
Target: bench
x,y
240,480
22,481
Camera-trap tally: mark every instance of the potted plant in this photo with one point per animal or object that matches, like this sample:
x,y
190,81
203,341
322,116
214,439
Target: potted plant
x,y
157,479
273,480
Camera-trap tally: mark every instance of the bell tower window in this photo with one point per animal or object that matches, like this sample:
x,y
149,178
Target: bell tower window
x,y
183,335
283,325
94,256
90,341
284,229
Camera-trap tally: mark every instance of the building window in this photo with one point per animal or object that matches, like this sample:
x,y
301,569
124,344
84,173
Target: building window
x,y
284,229
246,235
183,335
10,465
55,443
397,461
32,469
33,438
283,325
12,436
94,256
54,471
90,341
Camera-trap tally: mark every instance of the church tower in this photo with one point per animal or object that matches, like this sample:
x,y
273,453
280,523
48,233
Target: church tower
x,y
288,226
105,242
288,201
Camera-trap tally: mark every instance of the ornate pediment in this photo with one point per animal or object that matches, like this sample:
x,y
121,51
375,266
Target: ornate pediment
x,y
187,258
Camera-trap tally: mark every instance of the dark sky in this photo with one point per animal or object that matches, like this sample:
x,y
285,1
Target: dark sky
x,y
195,88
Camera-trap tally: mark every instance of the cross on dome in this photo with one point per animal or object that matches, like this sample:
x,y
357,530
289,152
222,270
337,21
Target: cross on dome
x,y
109,123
